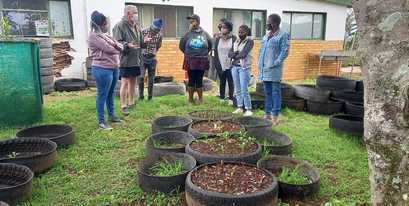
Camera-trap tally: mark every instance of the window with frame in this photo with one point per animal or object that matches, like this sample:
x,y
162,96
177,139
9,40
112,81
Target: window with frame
x,y
256,20
38,17
304,26
175,24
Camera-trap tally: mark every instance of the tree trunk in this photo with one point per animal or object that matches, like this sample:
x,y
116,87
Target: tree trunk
x,y
384,48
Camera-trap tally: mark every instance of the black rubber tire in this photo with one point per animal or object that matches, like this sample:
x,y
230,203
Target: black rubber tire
x,y
46,53
46,71
48,89
274,164
294,103
310,92
255,126
201,115
325,108
202,158
69,85
285,147
16,183
257,101
168,88
46,62
91,83
150,183
354,108
198,134
199,197
47,80
334,82
62,134
169,123
360,86
207,84
41,153
162,79
349,124
45,43
260,88
178,137
287,91
348,96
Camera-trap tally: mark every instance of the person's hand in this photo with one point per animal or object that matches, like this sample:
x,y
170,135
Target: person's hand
x,y
147,39
131,46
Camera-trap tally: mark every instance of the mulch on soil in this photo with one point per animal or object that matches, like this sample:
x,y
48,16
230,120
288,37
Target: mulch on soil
x,y
217,126
224,146
234,179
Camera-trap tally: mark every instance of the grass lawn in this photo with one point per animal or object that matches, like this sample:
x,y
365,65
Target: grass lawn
x,y
100,169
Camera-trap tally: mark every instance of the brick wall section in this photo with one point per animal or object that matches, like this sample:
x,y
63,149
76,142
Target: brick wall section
x,y
301,63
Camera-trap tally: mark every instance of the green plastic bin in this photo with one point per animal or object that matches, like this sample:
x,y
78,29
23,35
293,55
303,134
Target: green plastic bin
x,y
21,99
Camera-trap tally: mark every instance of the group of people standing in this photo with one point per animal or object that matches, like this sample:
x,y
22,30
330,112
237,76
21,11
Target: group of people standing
x,y
131,53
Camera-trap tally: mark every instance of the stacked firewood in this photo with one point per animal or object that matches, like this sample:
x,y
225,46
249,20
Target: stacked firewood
x,y
61,57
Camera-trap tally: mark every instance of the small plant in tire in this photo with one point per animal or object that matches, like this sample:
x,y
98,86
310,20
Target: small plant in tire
x,y
293,176
166,168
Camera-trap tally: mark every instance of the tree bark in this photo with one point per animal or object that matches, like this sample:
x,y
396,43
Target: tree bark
x,y
384,48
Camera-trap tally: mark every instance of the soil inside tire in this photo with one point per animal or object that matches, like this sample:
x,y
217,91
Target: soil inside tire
x,y
231,178
217,126
223,146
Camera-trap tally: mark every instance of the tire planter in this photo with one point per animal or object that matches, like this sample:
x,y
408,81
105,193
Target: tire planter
x,y
70,85
284,143
255,127
257,101
175,137
168,88
168,123
287,91
91,83
46,53
196,196
294,103
310,92
354,108
360,86
325,108
45,43
47,80
150,183
46,62
203,158
260,88
207,84
63,135
46,71
275,164
162,79
16,183
353,125
199,134
348,96
336,83
201,115
38,154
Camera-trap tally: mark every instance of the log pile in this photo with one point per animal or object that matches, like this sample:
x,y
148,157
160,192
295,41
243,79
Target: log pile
x,y
61,57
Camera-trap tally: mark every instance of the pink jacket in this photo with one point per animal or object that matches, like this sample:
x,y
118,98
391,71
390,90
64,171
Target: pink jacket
x,y
104,51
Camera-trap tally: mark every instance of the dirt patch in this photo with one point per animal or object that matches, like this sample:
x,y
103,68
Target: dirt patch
x,y
217,126
62,96
224,146
234,179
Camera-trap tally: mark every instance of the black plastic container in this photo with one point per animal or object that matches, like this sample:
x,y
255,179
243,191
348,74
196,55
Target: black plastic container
x,y
169,123
16,183
63,135
175,137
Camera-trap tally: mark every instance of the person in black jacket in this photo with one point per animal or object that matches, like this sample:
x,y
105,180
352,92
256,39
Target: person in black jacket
x,y
223,44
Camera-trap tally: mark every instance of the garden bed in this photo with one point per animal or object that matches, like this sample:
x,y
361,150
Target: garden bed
x,y
214,127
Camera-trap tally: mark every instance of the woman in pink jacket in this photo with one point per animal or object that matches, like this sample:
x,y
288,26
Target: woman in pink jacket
x,y
105,63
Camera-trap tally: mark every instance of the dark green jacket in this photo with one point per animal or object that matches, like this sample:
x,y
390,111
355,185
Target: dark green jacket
x,y
124,34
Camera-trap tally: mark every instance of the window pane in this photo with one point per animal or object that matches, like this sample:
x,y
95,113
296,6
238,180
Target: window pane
x,y
168,15
286,21
319,25
182,22
258,24
239,18
146,14
33,4
301,27
60,18
217,15
24,23
10,4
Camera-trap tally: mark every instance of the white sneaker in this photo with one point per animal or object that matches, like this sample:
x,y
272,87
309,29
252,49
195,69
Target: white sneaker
x,y
238,111
230,102
248,113
222,101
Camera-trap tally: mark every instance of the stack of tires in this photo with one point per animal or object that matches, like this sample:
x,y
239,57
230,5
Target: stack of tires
x,y
289,100
46,65
90,79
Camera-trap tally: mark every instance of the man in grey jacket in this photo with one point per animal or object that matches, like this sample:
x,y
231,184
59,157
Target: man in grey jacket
x,y
128,33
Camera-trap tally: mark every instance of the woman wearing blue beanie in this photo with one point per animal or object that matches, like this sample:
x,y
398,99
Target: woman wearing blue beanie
x,y
105,63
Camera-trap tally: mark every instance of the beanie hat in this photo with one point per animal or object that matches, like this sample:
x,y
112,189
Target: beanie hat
x,y
157,23
98,18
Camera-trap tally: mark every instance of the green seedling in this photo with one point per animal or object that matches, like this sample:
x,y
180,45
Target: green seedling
x,y
293,176
165,168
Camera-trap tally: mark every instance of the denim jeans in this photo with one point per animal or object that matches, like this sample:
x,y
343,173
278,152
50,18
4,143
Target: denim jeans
x,y
272,92
106,80
150,67
226,76
241,79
